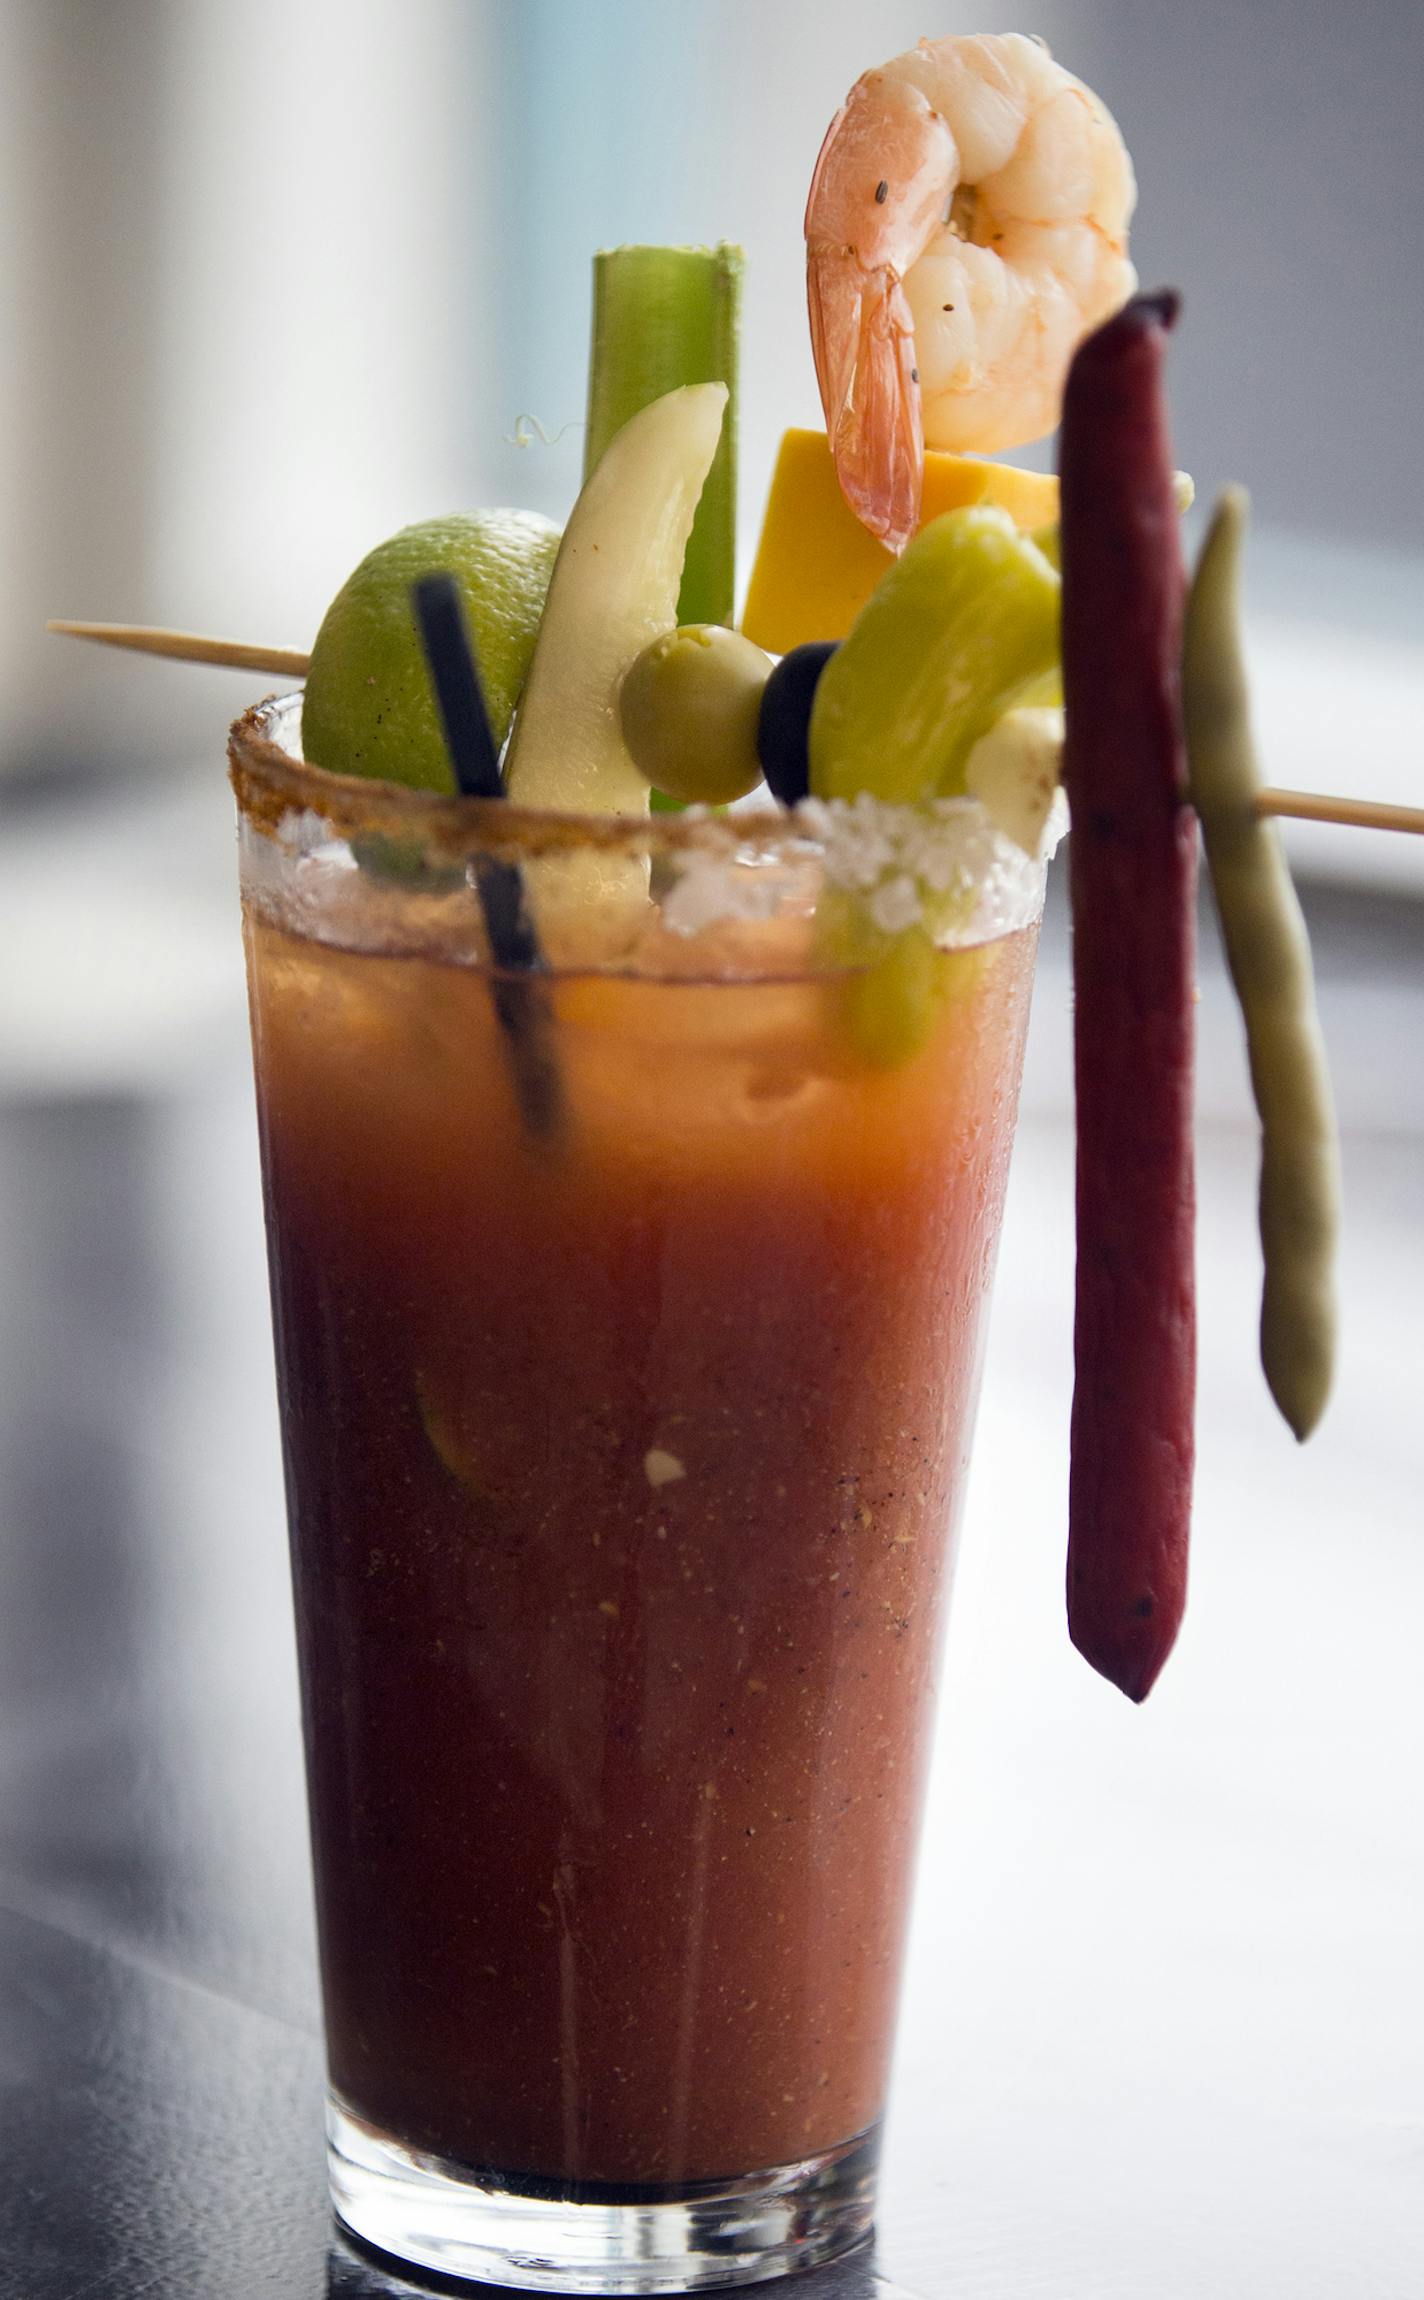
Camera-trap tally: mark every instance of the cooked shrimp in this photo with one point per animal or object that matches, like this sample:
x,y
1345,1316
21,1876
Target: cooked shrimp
x,y
967,225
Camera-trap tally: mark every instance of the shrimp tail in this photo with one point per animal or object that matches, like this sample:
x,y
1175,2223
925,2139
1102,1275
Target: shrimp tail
x,y
863,343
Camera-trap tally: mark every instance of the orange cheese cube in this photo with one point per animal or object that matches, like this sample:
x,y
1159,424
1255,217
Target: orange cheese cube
x,y
816,565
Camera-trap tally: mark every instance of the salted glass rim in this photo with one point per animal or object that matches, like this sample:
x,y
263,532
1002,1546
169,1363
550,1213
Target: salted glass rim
x,y
273,784
277,790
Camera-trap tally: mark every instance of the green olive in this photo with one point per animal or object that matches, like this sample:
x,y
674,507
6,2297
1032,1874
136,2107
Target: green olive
x,y
690,704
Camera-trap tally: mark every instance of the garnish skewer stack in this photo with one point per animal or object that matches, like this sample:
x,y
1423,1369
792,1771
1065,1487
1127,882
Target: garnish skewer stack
x,y
291,662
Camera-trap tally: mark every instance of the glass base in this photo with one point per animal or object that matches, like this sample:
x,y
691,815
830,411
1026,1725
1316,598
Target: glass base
x,y
685,2239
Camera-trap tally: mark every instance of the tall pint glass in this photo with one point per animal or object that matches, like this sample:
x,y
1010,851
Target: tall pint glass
x,y
628,1325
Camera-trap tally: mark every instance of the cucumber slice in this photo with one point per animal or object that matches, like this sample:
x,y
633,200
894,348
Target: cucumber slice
x,y
614,587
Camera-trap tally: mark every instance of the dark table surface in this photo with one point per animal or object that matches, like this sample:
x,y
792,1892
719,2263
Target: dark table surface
x,y
1162,2028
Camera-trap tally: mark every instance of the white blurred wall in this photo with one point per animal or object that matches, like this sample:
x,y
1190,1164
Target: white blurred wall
x,y
238,261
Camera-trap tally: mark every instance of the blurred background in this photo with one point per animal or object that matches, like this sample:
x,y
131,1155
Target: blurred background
x,y
277,277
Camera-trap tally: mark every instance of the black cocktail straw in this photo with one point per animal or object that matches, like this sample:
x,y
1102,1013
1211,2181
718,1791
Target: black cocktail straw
x,y
450,660
520,999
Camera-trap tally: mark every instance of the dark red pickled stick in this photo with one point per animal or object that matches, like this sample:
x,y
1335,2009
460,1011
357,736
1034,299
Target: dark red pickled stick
x,y
1132,873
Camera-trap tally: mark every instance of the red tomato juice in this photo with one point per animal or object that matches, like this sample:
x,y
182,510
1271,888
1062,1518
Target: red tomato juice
x,y
622,1473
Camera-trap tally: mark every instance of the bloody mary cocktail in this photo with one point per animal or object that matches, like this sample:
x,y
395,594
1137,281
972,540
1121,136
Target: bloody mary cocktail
x,y
622,1469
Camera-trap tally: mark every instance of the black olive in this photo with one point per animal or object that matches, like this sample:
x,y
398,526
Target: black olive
x,y
785,718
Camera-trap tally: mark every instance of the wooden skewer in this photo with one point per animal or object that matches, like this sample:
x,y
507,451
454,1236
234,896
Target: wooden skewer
x,y
290,662
188,647
1355,814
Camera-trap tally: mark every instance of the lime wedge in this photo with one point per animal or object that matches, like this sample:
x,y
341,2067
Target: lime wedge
x,y
959,630
369,708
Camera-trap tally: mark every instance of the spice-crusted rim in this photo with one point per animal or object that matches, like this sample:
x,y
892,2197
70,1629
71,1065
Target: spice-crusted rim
x,y
271,785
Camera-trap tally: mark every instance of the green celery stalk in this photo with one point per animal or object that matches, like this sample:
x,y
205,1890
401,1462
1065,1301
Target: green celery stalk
x,y
663,317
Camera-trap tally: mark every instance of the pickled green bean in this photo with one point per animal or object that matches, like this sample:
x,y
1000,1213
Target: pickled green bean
x,y
1268,954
